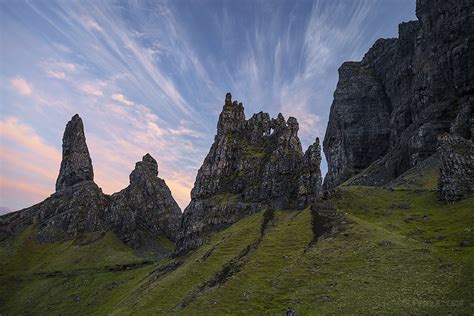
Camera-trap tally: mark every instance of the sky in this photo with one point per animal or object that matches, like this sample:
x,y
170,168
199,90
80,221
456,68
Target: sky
x,y
151,77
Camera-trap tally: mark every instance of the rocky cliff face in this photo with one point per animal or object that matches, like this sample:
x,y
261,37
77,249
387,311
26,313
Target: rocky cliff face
x,y
145,209
252,164
389,108
457,167
139,214
310,181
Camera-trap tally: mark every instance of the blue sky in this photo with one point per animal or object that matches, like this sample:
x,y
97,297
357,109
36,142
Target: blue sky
x,y
151,76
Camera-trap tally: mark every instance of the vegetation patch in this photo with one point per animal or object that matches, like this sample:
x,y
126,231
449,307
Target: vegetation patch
x,y
254,151
225,199
405,253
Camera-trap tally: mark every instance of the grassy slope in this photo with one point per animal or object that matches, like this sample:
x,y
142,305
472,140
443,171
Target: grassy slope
x,y
62,277
353,273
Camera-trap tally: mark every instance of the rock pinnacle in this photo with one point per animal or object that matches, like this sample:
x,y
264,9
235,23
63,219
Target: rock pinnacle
x,y
76,164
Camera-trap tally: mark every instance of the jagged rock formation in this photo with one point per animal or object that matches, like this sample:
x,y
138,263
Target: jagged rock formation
x,y
145,209
76,165
63,215
456,179
78,204
252,164
310,181
139,214
390,107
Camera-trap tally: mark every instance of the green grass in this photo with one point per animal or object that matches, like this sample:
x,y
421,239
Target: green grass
x,y
254,151
26,255
225,199
63,277
391,261
415,214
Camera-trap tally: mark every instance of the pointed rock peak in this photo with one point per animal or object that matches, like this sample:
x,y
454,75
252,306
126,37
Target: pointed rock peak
x,y
231,118
293,125
76,164
314,150
150,160
228,99
230,105
279,123
144,169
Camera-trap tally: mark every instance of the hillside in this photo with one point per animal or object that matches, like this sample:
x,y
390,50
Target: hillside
x,y
401,253
389,232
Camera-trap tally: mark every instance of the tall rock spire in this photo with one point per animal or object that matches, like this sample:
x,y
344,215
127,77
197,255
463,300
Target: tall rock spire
x,y
310,182
232,117
76,165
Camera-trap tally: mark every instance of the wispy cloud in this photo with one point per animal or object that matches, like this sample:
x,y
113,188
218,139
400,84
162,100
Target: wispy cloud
x,y
92,25
28,163
12,191
150,76
21,86
59,69
92,89
121,98
24,136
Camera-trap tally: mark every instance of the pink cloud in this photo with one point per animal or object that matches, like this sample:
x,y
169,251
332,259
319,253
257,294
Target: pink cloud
x,y
29,161
28,164
18,194
26,137
56,74
180,184
91,89
121,98
21,190
17,160
112,167
21,86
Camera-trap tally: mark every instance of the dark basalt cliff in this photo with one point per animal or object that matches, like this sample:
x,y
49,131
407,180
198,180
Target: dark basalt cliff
x,y
457,167
139,214
390,108
145,209
253,164
76,165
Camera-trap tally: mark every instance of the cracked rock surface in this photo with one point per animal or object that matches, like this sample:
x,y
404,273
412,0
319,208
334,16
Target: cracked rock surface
x,y
389,108
252,164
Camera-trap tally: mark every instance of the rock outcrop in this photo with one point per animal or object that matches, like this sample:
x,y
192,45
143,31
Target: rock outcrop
x,y
253,164
140,214
76,165
389,108
310,182
456,179
145,210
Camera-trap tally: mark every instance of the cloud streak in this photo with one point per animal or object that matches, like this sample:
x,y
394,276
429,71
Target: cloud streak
x,y
25,154
150,76
21,86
